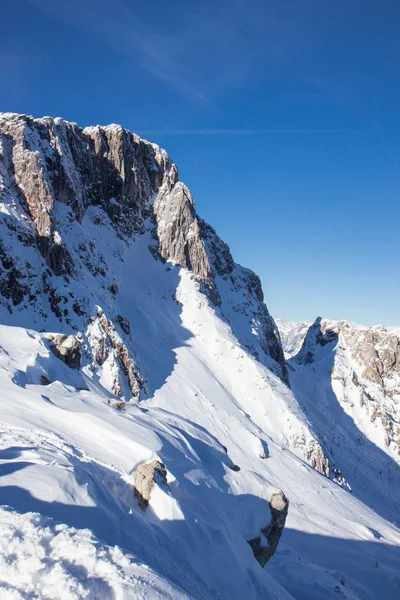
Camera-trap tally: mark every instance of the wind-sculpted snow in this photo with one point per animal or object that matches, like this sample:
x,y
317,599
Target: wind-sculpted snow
x,y
67,455
40,558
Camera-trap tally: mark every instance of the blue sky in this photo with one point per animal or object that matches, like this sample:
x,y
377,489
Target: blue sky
x,y
283,117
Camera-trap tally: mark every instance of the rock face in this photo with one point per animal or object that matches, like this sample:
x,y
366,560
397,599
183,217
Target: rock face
x,y
74,201
314,452
146,476
365,371
279,506
317,459
107,344
68,348
318,335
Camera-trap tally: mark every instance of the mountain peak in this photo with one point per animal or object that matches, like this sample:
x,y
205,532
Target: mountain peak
x,y
72,196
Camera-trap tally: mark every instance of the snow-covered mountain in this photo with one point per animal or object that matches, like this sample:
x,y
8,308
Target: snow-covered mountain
x,y
292,335
364,374
347,380
130,336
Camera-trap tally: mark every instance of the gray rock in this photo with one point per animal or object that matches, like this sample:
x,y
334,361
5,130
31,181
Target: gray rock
x,y
125,357
146,476
121,406
317,459
179,233
127,181
373,371
67,348
279,506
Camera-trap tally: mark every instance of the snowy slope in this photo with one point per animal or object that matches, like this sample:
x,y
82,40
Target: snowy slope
x,y
108,246
346,378
69,456
361,366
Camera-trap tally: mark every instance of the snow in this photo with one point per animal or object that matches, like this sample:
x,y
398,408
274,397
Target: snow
x,y
228,430
40,558
68,460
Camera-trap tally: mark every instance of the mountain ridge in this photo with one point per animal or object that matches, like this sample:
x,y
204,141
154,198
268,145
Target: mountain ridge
x,y
130,340
54,173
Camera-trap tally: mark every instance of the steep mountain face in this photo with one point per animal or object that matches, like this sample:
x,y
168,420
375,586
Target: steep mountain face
x,y
150,445
347,379
74,203
366,372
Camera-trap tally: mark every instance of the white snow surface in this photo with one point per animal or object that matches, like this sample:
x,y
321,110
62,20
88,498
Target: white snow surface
x,y
70,524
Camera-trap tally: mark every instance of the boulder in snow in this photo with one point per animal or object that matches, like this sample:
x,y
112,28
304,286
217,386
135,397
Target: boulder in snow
x,y
279,506
146,476
67,348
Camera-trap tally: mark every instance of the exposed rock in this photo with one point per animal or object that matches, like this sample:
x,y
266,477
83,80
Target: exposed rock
x,y
377,351
146,476
366,360
124,324
107,345
179,232
292,335
127,362
67,348
264,450
317,459
279,506
11,286
319,334
313,452
53,176
119,406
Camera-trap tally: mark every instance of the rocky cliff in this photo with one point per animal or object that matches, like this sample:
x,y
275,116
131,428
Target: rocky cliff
x,y
112,288
365,371
74,202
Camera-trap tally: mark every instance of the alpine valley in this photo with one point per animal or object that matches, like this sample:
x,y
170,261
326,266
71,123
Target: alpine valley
x,y
162,437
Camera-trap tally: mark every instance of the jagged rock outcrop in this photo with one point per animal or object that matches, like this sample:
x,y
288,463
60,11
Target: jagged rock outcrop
x,y
107,344
317,459
319,334
366,367
146,477
67,348
279,506
74,201
178,231
313,452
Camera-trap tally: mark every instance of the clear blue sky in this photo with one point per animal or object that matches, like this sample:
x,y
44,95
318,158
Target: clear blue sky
x,y
283,117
